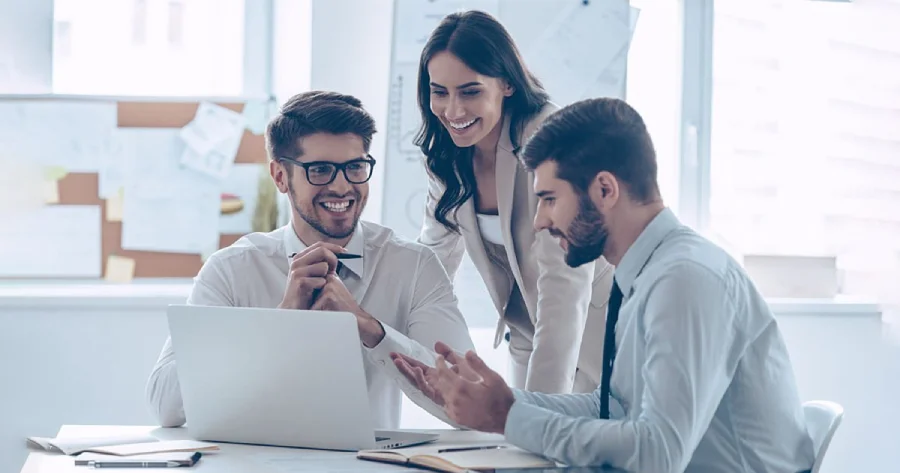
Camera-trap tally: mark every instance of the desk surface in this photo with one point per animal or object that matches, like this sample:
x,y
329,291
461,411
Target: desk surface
x,y
234,458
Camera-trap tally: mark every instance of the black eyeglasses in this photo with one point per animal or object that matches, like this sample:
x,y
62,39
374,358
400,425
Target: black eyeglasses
x,y
322,173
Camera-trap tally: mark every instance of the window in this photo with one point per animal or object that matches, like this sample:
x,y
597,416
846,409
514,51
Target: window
x,y
654,85
149,47
805,174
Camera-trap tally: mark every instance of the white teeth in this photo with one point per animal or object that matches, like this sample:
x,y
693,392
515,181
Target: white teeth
x,y
460,126
337,206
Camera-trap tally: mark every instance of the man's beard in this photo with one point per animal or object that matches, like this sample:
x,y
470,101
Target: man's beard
x,y
309,214
587,233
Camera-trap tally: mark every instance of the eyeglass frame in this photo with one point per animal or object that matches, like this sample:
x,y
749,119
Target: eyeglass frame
x,y
338,167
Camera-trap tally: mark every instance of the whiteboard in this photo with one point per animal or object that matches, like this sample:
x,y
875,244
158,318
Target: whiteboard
x,y
577,49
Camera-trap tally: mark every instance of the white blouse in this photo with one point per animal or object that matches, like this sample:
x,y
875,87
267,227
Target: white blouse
x,y
490,228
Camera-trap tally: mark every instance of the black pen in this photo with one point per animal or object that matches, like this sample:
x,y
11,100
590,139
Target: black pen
x,y
339,255
465,449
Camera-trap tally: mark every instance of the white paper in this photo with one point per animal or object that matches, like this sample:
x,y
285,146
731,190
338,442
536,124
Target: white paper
x,y
416,19
256,116
404,109
167,207
76,135
212,140
52,241
579,46
71,446
611,82
118,158
243,183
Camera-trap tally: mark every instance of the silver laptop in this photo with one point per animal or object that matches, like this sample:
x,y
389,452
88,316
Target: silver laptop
x,y
276,377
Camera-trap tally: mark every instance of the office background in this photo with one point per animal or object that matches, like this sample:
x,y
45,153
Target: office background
x,y
775,122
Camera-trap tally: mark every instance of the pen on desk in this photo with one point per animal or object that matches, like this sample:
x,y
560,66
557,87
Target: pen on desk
x,y
466,449
97,464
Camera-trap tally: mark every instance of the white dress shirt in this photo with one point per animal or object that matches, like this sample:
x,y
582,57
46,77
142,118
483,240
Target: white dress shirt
x,y
702,381
399,282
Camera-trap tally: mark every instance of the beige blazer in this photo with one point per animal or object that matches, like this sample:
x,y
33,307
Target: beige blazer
x,y
567,306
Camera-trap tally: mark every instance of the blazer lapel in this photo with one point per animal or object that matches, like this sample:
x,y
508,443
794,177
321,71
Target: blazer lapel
x,y
506,170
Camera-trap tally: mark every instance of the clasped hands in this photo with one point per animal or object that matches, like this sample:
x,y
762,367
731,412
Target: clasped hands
x,y
471,394
313,284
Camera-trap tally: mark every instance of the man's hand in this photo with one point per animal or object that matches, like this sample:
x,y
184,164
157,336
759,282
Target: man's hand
x,y
335,296
308,271
472,394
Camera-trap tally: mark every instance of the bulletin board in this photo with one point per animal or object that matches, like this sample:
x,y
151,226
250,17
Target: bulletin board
x,y
83,188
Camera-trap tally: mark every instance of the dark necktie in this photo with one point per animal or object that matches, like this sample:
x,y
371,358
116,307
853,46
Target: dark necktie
x,y
609,347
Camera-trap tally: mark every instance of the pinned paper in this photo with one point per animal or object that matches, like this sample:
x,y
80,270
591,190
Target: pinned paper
x,y
50,186
55,173
50,192
256,114
115,206
212,140
119,269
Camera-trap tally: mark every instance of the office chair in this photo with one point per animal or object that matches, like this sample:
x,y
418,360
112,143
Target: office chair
x,y
822,420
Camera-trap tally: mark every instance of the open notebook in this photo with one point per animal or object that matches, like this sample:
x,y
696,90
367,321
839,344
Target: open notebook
x,y
118,445
458,458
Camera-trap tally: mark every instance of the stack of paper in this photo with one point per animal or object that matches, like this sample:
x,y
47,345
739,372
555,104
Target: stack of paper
x,y
119,446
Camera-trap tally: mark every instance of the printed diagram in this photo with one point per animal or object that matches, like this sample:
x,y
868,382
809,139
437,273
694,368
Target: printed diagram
x,y
404,113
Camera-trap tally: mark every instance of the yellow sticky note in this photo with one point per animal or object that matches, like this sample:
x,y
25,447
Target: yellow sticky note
x,y
119,269
114,207
55,173
50,191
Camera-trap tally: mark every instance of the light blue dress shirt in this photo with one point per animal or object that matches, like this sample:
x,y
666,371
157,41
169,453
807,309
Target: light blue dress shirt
x,y
702,381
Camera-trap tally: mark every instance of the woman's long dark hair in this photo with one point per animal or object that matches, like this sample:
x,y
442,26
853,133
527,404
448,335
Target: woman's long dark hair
x,y
484,45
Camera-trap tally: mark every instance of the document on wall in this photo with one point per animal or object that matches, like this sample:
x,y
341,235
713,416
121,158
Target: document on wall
x,y
416,19
212,140
611,82
168,207
52,241
75,134
578,46
256,115
115,163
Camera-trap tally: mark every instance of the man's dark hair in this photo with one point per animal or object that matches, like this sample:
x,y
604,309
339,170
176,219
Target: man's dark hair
x,y
596,135
316,112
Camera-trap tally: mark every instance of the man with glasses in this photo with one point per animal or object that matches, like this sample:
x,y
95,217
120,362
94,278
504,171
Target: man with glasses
x,y
327,259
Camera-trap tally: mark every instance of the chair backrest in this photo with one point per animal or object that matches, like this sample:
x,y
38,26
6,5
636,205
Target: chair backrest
x,y
822,420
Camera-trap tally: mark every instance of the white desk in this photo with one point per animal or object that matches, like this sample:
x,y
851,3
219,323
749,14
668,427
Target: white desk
x,y
234,458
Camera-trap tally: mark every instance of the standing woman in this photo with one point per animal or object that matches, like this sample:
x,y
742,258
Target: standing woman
x,y
479,104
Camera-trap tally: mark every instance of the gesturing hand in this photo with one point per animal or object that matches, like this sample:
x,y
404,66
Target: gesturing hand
x,y
472,394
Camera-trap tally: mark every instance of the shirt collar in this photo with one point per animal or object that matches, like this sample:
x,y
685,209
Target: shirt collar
x,y
356,245
639,252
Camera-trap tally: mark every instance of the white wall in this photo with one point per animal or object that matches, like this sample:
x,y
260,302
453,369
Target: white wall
x,y
85,360
351,54
320,46
26,46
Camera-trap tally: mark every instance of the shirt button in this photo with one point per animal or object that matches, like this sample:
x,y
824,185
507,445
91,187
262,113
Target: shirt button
x,y
382,362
